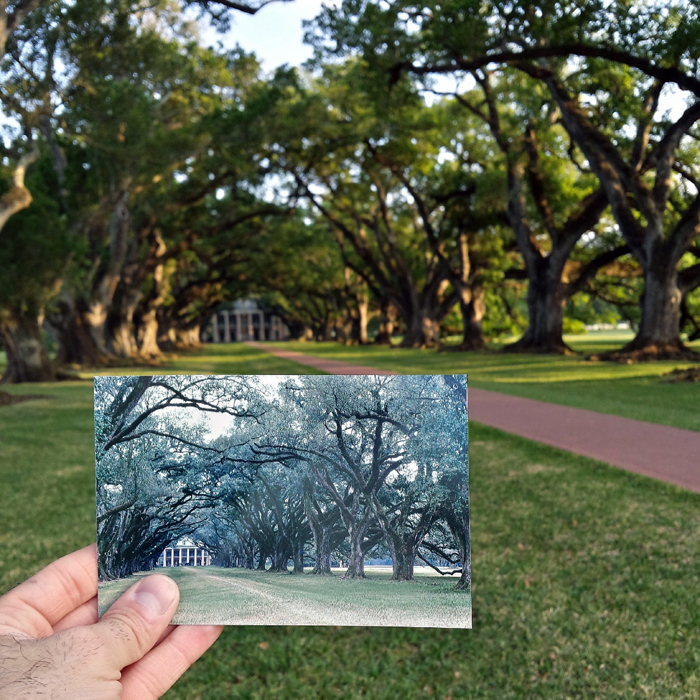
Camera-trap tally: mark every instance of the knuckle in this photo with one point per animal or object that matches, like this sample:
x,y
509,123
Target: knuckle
x,y
130,629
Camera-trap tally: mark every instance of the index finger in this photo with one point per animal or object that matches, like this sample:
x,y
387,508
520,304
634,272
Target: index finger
x,y
36,605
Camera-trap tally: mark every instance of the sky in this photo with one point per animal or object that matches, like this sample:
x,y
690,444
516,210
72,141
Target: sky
x,y
274,33
276,36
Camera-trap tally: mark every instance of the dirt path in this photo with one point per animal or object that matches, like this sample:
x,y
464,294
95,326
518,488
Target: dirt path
x,y
659,451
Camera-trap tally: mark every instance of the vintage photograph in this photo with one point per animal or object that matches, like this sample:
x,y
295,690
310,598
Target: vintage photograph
x,y
288,500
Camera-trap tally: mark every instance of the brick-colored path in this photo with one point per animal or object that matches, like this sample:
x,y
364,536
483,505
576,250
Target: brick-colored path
x,y
658,451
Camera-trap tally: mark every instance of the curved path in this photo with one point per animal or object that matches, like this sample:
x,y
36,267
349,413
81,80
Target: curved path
x,y
657,451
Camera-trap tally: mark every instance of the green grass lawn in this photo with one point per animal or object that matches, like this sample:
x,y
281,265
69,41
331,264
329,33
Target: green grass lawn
x,y
632,391
239,597
585,576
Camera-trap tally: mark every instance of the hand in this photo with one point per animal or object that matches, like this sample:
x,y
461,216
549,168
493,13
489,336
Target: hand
x,y
52,646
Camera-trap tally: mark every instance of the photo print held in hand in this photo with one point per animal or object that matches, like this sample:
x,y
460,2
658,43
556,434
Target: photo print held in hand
x,y
288,500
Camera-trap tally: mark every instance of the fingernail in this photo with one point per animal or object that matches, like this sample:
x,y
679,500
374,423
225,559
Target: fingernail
x,y
156,593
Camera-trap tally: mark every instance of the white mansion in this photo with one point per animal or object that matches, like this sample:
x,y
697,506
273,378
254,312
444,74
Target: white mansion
x,y
245,320
184,553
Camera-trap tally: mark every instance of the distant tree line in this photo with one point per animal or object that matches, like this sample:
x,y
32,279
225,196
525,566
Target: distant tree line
x,y
435,170
313,468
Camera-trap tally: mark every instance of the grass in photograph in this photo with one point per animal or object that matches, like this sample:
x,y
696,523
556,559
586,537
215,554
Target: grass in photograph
x,y
585,576
242,597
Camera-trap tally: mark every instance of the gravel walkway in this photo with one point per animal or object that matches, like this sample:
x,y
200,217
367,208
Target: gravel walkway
x,y
658,451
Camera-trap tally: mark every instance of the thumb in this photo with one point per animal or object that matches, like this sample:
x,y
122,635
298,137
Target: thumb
x,y
132,625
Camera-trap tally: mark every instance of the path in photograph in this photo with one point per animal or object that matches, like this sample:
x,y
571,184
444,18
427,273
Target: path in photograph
x,y
658,451
241,597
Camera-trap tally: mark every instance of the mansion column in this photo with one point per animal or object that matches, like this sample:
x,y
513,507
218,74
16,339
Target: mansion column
x,y
215,328
227,328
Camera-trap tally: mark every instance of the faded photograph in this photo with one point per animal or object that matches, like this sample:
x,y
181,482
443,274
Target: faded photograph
x,y
288,500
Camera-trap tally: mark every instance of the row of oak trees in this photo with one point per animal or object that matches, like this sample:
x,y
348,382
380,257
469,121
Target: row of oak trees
x,y
267,470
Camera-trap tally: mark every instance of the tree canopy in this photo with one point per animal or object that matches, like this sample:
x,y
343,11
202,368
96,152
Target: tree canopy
x,y
278,469
461,169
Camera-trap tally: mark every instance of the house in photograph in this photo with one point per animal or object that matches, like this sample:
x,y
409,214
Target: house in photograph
x,y
243,320
184,553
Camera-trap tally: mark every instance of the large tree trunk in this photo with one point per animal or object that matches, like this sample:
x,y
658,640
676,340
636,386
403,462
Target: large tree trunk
x,y
546,300
403,556
360,330
280,559
458,523
403,545
321,533
387,323
27,358
123,339
100,306
123,331
422,331
184,337
298,560
423,313
659,330
325,331
250,559
148,333
76,345
356,562
188,338
472,306
345,329
322,550
18,197
320,536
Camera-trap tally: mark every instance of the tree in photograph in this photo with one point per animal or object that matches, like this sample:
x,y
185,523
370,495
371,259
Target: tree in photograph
x,y
323,517
366,448
272,511
151,507
158,474
345,464
413,500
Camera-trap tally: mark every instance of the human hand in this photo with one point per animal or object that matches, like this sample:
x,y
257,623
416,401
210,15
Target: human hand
x,y
52,646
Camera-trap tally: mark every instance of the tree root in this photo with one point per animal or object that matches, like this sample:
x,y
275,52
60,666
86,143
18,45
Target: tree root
x,y
677,376
631,354
548,349
7,399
